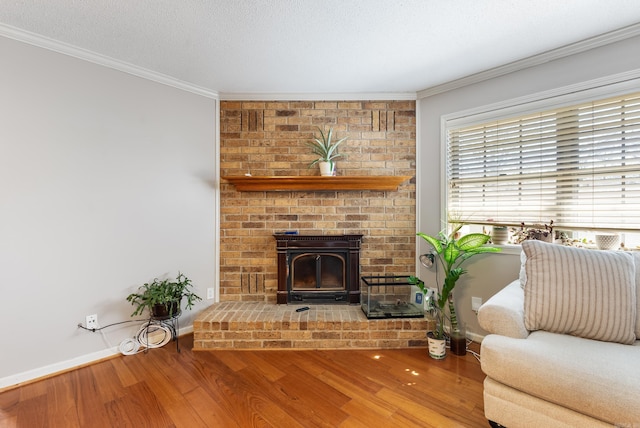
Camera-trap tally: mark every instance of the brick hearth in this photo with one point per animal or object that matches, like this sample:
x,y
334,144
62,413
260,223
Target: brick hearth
x,y
262,325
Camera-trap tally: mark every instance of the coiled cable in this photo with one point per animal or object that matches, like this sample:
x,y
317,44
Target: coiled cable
x,y
150,335
153,335
129,346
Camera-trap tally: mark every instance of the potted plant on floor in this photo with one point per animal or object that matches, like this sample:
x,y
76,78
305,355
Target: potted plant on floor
x,y
450,251
327,149
162,298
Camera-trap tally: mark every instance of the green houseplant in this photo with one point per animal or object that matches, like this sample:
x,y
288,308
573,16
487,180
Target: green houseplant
x,y
537,232
451,251
327,149
162,298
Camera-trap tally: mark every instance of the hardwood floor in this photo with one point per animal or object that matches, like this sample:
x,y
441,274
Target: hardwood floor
x,y
342,388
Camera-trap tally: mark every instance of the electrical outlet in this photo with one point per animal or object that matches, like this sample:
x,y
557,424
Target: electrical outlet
x,y
210,293
92,321
476,302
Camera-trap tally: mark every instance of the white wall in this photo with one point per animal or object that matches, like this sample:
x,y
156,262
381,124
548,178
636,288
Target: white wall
x,y
489,273
106,181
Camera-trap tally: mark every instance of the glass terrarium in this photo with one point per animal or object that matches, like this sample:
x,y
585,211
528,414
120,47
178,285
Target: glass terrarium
x,y
389,296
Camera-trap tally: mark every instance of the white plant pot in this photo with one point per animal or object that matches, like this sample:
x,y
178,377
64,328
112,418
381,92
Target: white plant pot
x,y
326,168
608,241
437,347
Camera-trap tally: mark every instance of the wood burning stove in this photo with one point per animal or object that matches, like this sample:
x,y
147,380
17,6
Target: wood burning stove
x,y
318,268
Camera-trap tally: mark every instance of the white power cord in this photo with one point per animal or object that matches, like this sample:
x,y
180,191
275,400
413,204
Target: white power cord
x,y
475,354
129,347
150,335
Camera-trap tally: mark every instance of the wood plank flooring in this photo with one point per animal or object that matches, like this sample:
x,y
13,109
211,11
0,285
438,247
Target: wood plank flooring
x,y
270,388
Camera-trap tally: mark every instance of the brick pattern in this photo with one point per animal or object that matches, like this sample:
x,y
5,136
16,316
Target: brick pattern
x,y
259,325
267,138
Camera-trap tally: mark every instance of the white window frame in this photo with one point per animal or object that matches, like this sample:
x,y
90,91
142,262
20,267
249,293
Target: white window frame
x,y
598,89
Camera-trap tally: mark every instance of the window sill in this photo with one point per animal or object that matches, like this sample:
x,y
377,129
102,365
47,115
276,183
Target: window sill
x,y
510,249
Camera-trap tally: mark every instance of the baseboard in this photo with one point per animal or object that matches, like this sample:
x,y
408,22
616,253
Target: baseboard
x,y
475,337
55,369
40,373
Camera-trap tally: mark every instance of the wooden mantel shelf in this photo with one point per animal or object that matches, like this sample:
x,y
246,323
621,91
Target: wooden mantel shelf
x,y
316,183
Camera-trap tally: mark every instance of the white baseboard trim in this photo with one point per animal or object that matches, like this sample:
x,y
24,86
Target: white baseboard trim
x,y
52,369
475,337
65,366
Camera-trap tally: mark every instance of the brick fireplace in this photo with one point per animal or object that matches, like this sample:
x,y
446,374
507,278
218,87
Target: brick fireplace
x,y
267,139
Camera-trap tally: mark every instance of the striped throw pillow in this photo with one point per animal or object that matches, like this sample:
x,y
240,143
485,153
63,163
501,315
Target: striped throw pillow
x,y
585,293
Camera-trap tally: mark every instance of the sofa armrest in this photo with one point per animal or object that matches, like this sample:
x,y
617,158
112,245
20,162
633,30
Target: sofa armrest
x,y
503,313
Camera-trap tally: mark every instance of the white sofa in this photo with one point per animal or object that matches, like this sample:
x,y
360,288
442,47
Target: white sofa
x,y
562,349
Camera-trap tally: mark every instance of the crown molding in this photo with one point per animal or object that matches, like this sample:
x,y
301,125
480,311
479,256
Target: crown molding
x,y
87,55
103,60
331,96
568,50
607,86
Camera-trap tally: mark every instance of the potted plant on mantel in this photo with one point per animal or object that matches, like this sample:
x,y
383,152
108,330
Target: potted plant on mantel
x,y
327,149
162,298
450,251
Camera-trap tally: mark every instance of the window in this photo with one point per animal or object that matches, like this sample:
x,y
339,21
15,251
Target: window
x,y
578,165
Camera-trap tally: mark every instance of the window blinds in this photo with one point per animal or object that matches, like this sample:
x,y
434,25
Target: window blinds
x,y
578,166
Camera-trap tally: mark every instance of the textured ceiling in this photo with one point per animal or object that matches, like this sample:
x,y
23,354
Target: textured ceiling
x,y
318,46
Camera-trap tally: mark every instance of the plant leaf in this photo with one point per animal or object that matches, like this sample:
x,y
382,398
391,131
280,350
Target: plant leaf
x,y
417,282
451,253
323,146
472,241
434,242
449,284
